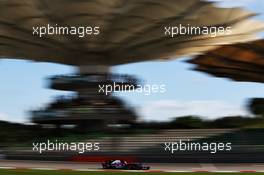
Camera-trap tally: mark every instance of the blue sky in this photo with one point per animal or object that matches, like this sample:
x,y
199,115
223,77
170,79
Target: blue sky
x,y
23,86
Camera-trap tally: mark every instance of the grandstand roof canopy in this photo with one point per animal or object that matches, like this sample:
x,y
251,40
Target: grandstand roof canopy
x,y
240,62
130,30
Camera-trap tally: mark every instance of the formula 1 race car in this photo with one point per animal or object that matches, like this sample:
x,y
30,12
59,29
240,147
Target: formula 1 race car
x,y
121,164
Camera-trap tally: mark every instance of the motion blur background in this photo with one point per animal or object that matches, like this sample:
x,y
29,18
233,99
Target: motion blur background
x,y
35,106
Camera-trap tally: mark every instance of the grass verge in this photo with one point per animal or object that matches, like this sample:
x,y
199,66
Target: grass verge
x,y
48,172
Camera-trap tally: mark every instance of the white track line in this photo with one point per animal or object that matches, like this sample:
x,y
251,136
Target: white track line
x,y
7,167
45,169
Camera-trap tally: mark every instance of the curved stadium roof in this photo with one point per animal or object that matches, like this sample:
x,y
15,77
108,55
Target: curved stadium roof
x,y
131,30
240,62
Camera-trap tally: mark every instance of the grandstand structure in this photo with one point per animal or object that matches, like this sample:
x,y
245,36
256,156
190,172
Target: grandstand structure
x,y
91,108
130,31
240,62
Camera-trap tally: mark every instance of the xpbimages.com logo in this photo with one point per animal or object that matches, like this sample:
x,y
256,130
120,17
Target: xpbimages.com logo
x,y
80,31
147,89
213,31
185,146
80,147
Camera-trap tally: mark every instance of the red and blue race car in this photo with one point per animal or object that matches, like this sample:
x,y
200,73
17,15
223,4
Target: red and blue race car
x,y
121,164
